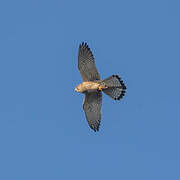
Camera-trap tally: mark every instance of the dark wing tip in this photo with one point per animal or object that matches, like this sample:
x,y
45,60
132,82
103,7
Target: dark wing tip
x,y
95,126
85,44
95,129
84,48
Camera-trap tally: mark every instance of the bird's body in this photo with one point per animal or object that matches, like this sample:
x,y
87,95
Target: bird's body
x,y
89,86
92,86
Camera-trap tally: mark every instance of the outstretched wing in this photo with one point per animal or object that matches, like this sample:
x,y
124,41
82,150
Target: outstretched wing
x,y
86,64
92,108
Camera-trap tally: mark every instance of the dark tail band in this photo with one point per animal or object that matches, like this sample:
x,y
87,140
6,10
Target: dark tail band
x,y
116,87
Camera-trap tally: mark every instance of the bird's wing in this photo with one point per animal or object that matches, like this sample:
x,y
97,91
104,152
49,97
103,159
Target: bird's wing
x,y
86,64
92,108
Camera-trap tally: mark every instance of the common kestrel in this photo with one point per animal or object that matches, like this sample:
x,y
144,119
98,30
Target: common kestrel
x,y
92,86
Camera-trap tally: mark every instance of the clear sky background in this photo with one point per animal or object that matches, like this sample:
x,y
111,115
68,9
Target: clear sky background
x,y
43,130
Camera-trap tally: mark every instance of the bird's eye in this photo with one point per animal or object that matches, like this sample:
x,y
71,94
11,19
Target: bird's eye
x,y
77,89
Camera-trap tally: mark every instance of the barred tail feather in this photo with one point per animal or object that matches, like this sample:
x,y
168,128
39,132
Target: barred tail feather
x,y
116,87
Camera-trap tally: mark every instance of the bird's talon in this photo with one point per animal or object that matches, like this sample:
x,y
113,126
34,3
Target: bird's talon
x,y
100,88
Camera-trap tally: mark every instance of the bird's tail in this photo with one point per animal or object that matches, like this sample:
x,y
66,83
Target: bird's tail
x,y
116,88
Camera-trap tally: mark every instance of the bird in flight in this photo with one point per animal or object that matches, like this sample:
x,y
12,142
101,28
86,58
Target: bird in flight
x,y
92,86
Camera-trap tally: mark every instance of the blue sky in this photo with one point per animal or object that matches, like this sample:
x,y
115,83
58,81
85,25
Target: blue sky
x,y
43,130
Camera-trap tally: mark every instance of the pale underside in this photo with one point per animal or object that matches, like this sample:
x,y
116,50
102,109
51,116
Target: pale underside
x,y
88,86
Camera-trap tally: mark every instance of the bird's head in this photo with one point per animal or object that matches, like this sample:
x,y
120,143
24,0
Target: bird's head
x,y
78,88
